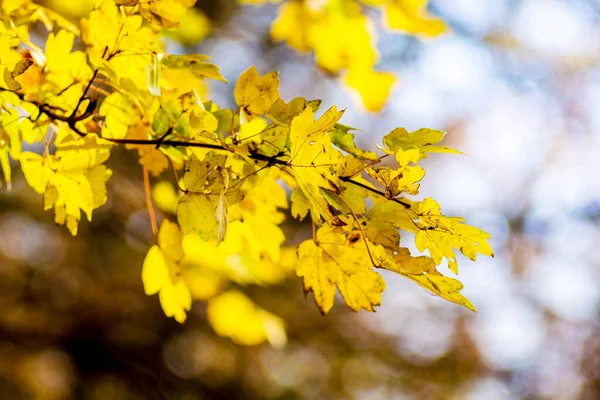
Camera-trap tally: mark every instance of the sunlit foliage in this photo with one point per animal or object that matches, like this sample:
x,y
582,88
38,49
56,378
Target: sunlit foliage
x,y
342,36
231,167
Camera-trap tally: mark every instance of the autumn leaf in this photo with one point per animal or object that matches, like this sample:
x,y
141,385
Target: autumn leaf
x,y
203,207
161,273
255,94
373,87
440,235
422,271
424,141
344,261
234,315
315,164
72,181
245,170
411,16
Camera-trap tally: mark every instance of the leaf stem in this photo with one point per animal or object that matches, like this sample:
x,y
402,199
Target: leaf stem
x,y
149,205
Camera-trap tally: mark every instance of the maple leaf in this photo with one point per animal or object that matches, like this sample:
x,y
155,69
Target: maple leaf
x,y
203,208
411,16
234,315
373,87
122,88
116,110
161,273
72,180
292,25
398,181
341,260
394,214
64,67
254,93
315,164
424,140
422,271
440,234
164,13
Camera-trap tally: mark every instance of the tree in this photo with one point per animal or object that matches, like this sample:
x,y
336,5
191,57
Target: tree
x,y
230,167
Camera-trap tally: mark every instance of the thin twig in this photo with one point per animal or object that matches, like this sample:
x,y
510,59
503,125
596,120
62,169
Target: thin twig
x,y
372,190
149,205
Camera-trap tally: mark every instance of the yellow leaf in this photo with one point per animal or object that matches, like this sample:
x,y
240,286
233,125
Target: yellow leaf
x,y
411,16
423,140
422,271
342,38
250,131
251,251
175,300
5,164
439,234
300,204
169,241
155,271
57,48
337,259
150,157
161,272
398,181
394,214
203,282
254,93
164,13
165,196
315,164
64,67
234,315
72,180
292,26
373,87
305,129
203,208
257,2
117,111
193,27
36,170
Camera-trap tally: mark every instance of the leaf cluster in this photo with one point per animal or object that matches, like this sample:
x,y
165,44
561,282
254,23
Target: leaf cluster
x,y
230,168
341,34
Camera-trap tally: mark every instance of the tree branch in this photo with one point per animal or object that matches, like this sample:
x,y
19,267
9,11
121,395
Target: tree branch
x,y
372,190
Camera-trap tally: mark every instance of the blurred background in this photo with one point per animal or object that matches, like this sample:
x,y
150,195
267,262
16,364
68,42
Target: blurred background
x,y
517,86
